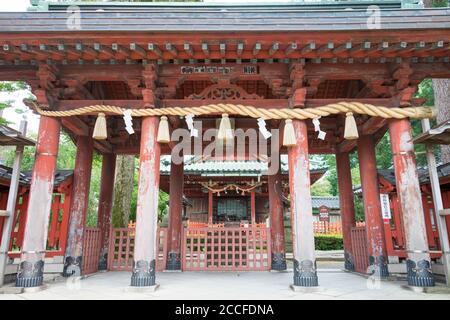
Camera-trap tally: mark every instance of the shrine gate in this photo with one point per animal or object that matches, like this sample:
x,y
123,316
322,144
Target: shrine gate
x,y
127,78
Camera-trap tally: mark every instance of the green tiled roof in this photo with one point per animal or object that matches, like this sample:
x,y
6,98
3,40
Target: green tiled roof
x,y
217,167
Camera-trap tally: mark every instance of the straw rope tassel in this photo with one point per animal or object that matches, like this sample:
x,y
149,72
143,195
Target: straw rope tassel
x,y
163,131
351,130
100,129
289,139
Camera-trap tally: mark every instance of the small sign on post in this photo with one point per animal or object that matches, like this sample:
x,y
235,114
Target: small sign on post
x,y
385,206
324,213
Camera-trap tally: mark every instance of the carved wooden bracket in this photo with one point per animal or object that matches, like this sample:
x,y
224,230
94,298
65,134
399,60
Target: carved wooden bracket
x,y
223,91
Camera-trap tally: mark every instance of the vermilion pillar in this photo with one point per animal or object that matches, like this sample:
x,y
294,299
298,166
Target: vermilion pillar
x,y
105,206
210,207
31,268
372,207
409,195
347,205
305,272
253,207
175,213
78,208
276,221
144,264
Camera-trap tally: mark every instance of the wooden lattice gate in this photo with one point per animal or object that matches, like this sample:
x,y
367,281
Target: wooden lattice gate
x,y
226,249
121,249
91,250
360,251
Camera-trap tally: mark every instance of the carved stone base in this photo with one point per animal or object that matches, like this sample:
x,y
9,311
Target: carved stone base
x,y
143,274
378,267
173,261
279,261
305,274
72,266
348,264
103,262
419,273
30,274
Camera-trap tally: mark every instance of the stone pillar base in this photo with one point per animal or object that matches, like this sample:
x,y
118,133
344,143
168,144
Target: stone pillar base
x,y
30,274
143,274
348,264
279,261
72,267
419,274
305,274
378,267
173,261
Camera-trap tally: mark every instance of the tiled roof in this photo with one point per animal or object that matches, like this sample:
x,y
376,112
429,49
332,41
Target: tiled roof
x,y
25,176
226,18
330,202
12,137
213,167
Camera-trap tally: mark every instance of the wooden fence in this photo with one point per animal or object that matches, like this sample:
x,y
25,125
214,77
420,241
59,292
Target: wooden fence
x,y
226,249
57,228
91,250
121,249
360,250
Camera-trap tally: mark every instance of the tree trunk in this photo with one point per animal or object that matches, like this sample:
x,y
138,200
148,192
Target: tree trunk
x,y
441,89
123,190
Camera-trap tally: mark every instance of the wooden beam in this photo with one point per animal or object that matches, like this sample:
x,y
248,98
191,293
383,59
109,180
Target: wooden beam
x,y
256,48
138,50
154,48
188,49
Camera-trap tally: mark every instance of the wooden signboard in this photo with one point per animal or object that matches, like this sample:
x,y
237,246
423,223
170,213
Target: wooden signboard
x,y
324,213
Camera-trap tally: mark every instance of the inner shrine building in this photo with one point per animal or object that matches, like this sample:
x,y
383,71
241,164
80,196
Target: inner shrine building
x,y
153,79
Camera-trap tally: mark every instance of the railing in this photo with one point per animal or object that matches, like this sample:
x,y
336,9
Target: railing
x,y
121,249
91,250
360,251
226,249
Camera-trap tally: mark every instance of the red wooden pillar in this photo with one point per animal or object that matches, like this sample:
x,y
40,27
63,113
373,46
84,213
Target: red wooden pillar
x,y
105,206
210,207
253,207
31,268
347,206
305,271
144,264
372,207
78,207
276,221
175,213
409,196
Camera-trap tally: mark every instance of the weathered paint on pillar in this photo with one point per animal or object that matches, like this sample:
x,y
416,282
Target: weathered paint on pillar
x,y
305,271
144,264
253,207
410,199
105,206
347,205
372,207
175,213
276,221
31,268
210,207
78,207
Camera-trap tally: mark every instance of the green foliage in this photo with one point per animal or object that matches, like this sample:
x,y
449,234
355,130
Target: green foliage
x,y
328,242
9,87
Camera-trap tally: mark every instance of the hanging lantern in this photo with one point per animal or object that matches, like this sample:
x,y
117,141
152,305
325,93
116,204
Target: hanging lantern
x,y
351,130
225,132
100,130
289,139
163,131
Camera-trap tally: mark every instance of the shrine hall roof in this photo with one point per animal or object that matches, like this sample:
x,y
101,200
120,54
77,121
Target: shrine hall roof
x,y
25,176
175,17
229,168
